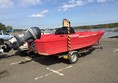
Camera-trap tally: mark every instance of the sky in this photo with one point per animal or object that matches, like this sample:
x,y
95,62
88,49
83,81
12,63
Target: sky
x,y
50,13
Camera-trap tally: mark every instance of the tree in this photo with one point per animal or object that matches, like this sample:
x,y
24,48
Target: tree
x,y
9,29
2,27
6,28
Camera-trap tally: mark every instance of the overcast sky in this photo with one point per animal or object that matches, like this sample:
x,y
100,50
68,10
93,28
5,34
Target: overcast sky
x,y
50,13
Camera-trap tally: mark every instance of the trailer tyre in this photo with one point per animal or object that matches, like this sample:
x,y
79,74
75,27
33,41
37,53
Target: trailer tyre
x,y
73,58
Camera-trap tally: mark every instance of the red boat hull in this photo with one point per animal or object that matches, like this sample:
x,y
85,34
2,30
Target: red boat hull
x,y
53,44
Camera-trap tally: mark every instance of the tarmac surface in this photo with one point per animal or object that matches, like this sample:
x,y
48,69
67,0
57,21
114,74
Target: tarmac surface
x,y
99,66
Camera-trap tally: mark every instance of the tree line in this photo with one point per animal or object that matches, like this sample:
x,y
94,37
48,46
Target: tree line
x,y
5,28
9,29
110,25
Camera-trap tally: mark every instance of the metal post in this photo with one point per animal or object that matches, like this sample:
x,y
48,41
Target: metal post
x,y
68,39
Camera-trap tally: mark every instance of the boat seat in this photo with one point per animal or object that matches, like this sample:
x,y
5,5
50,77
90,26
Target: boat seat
x,y
64,30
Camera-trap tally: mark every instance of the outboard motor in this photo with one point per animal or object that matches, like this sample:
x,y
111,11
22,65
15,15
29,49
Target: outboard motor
x,y
29,36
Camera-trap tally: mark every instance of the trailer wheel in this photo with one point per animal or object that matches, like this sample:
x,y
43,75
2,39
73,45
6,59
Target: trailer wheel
x,y
73,57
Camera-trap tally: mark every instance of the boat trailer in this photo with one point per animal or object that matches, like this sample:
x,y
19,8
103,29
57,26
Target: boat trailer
x,y
65,39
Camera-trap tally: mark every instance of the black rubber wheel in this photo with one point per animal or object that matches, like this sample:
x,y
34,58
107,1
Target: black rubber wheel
x,y
73,58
